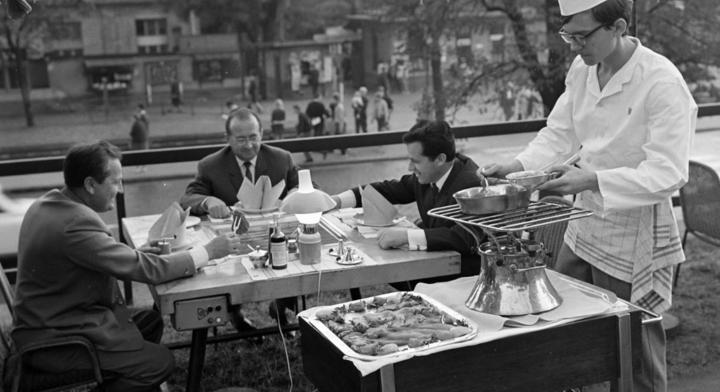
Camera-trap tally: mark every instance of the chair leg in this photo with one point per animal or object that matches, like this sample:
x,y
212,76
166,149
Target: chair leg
x,y
676,277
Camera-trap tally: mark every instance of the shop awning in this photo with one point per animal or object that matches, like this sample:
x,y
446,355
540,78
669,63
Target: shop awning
x,y
111,62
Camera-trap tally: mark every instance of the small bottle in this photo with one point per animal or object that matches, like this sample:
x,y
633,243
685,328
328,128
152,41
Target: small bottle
x,y
278,247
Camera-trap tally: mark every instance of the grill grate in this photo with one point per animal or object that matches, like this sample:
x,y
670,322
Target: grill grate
x,y
537,214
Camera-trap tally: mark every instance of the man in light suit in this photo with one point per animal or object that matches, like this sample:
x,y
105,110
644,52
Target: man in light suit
x,y
68,266
220,174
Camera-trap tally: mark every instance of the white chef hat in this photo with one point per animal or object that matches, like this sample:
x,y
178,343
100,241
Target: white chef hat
x,y
572,7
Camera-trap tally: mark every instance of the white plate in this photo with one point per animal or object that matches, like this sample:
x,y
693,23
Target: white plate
x,y
360,220
192,221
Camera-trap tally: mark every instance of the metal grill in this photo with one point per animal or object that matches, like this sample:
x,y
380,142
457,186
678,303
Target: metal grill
x,y
536,215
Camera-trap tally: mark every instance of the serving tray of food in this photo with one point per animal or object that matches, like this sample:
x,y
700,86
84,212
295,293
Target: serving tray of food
x,y
389,325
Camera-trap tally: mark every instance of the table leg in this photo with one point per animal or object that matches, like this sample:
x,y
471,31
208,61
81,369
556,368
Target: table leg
x,y
355,293
197,359
625,362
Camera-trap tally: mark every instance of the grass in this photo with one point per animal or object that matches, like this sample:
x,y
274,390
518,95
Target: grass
x,y
263,367
693,349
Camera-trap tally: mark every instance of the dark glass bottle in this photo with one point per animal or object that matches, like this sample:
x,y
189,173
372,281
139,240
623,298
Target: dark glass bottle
x,y
278,247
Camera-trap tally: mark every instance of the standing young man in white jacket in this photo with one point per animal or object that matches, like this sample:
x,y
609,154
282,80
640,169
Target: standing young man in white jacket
x,y
631,111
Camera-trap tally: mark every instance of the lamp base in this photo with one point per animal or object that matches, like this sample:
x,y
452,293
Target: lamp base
x,y
309,246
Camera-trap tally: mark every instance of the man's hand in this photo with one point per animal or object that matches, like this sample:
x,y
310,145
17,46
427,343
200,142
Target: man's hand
x,y
571,181
499,170
336,199
223,245
216,208
150,249
392,238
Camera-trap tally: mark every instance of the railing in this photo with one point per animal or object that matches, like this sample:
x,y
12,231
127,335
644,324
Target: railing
x,y
195,153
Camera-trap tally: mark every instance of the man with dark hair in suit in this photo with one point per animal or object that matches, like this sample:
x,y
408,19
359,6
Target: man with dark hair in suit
x,y
437,171
220,174
68,266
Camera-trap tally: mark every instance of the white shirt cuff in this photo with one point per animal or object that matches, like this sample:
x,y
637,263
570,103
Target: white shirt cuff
x,y
199,256
347,199
416,239
203,204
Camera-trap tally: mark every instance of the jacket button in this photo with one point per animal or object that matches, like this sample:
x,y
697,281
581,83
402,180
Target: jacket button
x,y
130,320
187,271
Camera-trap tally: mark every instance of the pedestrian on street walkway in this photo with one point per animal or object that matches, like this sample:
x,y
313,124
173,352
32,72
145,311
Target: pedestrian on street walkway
x,y
303,128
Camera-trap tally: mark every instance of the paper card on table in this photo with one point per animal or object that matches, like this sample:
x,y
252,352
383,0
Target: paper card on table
x,y
171,224
260,196
377,210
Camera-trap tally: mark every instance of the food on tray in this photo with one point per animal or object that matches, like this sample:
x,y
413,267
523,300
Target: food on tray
x,y
385,325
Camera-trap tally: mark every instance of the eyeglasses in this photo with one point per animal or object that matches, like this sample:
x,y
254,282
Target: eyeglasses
x,y
580,39
246,139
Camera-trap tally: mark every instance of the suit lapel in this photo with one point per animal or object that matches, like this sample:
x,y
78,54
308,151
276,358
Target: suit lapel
x,y
261,165
230,164
444,193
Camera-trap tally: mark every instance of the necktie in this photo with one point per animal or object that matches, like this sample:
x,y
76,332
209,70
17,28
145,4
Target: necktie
x,y
435,192
248,172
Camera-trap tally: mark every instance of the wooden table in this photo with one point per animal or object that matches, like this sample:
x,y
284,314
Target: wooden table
x,y
597,349
231,282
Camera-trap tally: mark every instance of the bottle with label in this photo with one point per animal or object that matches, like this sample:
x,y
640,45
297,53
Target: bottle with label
x,y
278,247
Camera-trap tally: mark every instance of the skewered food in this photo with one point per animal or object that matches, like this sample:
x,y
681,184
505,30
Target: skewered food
x,y
385,325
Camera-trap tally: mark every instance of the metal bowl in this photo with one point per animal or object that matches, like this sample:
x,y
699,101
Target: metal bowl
x,y
492,199
530,178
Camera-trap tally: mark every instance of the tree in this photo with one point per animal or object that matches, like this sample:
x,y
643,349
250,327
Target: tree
x,y
22,36
18,32
683,31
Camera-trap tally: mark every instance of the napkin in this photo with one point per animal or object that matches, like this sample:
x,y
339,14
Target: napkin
x,y
261,195
377,211
171,224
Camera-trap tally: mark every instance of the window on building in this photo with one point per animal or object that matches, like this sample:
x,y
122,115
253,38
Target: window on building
x,y
152,49
71,31
150,27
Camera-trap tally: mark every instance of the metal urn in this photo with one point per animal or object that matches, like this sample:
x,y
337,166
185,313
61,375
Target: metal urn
x,y
513,280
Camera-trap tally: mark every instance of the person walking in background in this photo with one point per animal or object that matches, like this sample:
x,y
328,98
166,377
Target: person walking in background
x,y
389,102
314,79
303,129
140,129
230,105
337,113
318,113
254,103
360,104
176,93
380,112
277,120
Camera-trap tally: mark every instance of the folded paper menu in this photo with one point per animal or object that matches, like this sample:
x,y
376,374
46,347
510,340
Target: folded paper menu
x,y
170,225
260,196
377,210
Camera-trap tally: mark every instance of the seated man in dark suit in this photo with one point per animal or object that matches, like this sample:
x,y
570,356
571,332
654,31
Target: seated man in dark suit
x,y
437,172
68,266
221,174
